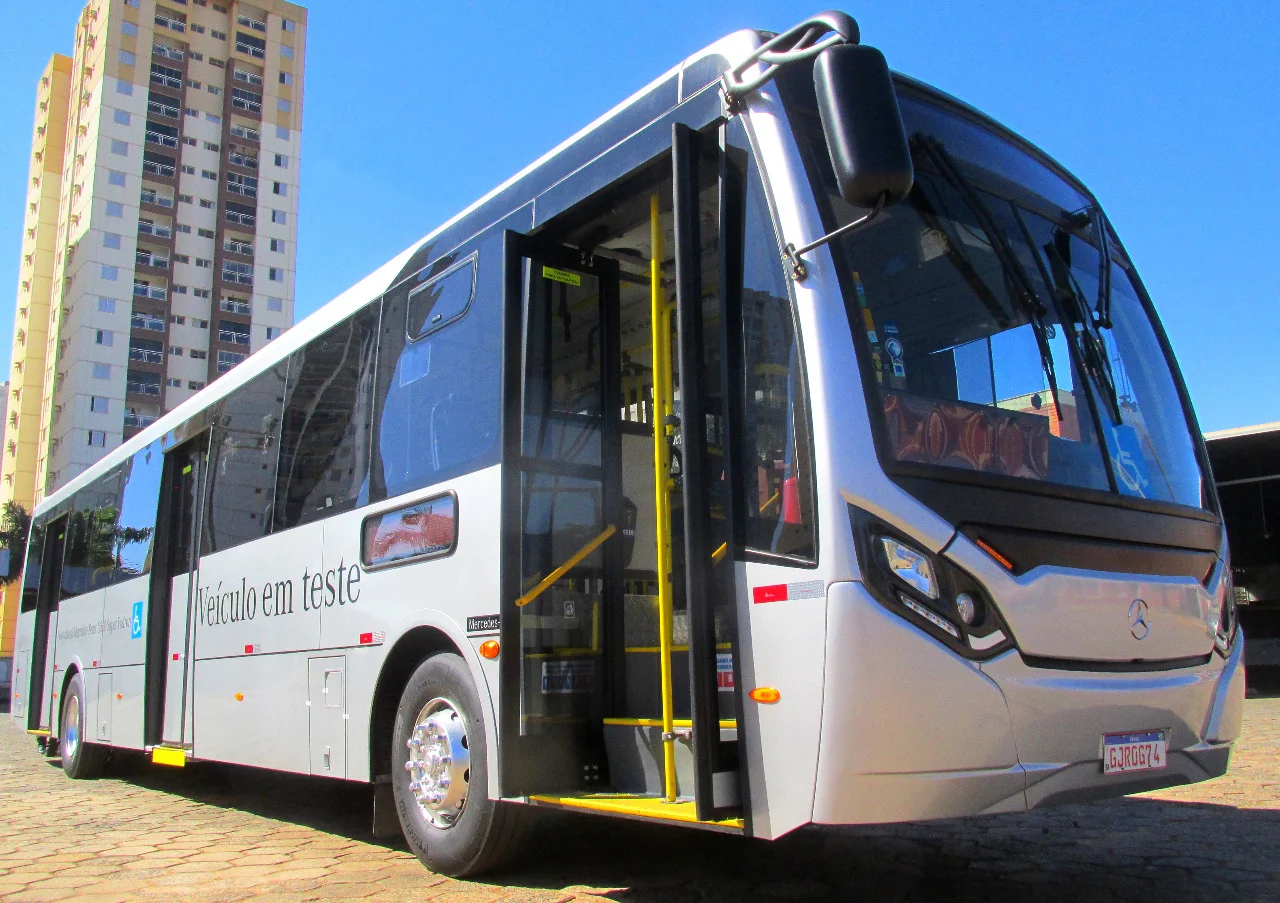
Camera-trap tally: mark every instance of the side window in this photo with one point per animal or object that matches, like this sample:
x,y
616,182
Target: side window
x,y
242,463
35,557
438,397
777,461
135,527
89,560
324,449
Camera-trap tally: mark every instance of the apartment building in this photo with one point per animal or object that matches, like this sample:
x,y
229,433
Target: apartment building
x,y
159,240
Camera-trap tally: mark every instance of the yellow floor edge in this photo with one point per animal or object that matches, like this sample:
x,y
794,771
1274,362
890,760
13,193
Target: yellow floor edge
x,y
636,806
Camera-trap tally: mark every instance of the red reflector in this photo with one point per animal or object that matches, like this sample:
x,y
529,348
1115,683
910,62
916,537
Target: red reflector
x,y
176,655
775,593
366,638
249,650
95,663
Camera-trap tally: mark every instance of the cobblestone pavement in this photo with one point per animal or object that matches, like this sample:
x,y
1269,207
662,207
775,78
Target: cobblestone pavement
x,y
206,834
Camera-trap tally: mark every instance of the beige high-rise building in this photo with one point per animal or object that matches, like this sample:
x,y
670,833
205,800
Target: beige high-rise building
x,y
161,226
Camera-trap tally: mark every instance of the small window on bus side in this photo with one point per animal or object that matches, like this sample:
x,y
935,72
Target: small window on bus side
x,y
328,416
438,397
777,460
240,485
438,302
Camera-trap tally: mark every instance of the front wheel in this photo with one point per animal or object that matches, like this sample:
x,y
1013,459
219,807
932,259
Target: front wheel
x,y
80,760
440,774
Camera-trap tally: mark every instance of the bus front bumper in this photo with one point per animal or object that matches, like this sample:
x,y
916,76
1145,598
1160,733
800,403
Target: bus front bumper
x,y
912,731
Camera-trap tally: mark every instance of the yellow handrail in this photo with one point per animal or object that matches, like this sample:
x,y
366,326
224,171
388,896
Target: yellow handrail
x,y
565,568
663,405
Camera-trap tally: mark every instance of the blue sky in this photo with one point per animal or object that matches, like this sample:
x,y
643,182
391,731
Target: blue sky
x,y
1170,112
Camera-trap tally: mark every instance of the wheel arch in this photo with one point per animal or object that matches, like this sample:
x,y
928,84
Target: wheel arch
x,y
55,724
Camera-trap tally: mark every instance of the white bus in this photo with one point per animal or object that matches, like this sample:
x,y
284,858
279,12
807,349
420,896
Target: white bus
x,y
792,445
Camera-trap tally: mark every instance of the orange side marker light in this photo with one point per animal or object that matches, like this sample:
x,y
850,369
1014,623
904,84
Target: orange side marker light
x,y
1004,562
490,649
767,695
239,697
119,696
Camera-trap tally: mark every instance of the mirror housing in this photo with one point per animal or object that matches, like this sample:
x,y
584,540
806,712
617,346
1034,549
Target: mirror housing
x,y
863,125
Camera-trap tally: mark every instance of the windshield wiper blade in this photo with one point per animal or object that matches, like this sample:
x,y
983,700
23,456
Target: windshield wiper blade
x,y
1101,229
1017,282
1096,363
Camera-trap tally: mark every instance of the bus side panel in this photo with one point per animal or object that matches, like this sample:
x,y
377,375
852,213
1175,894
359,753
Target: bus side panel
x,y
441,592
124,615
256,623
77,643
22,668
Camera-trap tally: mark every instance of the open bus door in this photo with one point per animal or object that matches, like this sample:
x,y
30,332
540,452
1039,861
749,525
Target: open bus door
x,y
42,711
618,610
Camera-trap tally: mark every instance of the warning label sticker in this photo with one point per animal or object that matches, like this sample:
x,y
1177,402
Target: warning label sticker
x,y
567,677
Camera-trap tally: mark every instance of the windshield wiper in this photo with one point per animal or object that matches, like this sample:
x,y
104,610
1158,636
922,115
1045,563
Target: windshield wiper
x,y
1017,282
1102,311
1096,363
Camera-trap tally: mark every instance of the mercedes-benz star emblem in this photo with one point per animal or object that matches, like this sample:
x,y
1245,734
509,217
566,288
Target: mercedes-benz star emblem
x,y
1139,624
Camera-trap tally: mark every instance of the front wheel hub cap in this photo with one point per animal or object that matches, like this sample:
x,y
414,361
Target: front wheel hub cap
x,y
439,764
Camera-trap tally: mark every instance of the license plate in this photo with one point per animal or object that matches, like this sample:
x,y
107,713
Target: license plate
x,y
1143,751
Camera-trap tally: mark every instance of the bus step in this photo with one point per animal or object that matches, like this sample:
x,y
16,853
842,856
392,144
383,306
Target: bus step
x,y
643,807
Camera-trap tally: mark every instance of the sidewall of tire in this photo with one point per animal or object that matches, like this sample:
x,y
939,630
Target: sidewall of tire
x,y
88,759
462,849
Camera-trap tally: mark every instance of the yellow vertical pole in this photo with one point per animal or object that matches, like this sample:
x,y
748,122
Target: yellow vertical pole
x,y
662,406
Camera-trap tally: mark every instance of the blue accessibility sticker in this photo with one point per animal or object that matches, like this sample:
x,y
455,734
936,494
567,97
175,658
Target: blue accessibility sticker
x,y
135,627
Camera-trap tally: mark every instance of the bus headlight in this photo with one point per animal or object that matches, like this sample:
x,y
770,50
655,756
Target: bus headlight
x,y
910,566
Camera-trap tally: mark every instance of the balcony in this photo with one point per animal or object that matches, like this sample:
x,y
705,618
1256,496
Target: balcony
x,y
239,273
249,78
135,386
150,197
246,100
148,322
233,306
154,292
148,259
146,227
241,215
166,77
238,247
249,49
228,359
146,355
170,23
159,109
241,160
139,421
164,50
248,191
250,22
232,337
157,169
248,134
161,139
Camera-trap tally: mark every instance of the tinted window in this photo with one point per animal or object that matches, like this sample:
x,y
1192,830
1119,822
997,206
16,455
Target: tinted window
x,y
136,523
31,576
242,458
441,300
89,560
324,459
778,488
438,398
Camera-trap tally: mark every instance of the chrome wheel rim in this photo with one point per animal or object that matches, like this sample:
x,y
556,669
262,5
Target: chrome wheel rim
x,y
71,727
439,763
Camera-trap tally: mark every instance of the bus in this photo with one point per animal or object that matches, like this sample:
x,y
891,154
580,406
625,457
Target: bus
x,y
792,445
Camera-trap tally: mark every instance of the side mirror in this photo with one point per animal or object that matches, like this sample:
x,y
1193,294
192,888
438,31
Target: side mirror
x,y
863,125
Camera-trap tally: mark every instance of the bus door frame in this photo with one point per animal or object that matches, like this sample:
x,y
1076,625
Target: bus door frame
x,y
548,763
160,610
720,773
42,666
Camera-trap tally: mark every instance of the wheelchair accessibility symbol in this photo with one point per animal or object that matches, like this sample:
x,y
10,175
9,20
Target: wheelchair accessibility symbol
x,y
135,626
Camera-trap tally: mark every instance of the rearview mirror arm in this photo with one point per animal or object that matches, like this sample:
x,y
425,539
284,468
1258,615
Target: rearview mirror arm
x,y
800,42
791,254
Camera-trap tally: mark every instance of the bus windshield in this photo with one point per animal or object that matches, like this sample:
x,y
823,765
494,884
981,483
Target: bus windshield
x,y
1005,326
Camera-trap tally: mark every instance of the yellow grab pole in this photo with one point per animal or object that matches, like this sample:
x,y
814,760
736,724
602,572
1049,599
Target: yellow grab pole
x,y
662,407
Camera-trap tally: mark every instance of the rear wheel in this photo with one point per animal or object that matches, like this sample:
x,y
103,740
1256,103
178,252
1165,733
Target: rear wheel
x,y
80,760
439,773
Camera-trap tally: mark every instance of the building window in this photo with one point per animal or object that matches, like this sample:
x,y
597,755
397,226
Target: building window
x,y
115,177
192,83
126,57
202,262
111,240
98,404
282,133
206,204
286,78
274,332
198,355
286,51
200,324
98,438
119,148
101,371
277,216
201,293
193,384
209,174
124,87
216,120
122,117
209,145
104,337
188,170
228,359
107,305
115,208
282,161
183,228
195,55
205,233
284,106
241,273
175,350
275,274
219,35
198,29
130,29
277,244
189,142
185,199
181,258
173,383
275,304
178,319
280,188
214,61
110,273
288,25
215,90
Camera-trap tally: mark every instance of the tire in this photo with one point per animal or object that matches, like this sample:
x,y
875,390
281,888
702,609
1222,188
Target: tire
x,y
451,825
80,760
